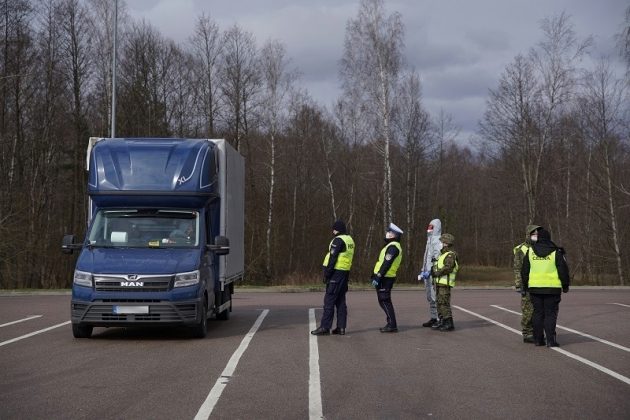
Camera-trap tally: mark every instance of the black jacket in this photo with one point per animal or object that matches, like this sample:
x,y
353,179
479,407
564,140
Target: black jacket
x,y
542,248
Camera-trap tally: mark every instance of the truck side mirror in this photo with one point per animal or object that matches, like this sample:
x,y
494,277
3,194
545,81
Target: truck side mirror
x,y
221,245
67,244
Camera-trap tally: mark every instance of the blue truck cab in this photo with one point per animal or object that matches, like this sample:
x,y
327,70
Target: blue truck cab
x,y
164,242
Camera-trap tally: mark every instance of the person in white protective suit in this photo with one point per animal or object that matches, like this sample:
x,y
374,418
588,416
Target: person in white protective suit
x,y
431,255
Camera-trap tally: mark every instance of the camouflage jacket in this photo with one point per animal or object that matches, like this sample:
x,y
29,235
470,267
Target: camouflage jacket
x,y
519,253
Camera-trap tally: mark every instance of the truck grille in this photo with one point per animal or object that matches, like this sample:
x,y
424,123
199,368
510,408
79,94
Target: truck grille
x,y
139,283
158,313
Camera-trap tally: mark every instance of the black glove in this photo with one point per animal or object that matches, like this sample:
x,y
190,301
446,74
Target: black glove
x,y
565,289
376,281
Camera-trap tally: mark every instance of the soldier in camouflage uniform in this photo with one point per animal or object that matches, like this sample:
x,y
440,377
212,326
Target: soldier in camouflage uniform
x,y
444,272
531,234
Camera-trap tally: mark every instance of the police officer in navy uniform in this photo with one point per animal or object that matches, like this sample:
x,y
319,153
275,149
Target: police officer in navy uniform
x,y
545,275
337,264
384,275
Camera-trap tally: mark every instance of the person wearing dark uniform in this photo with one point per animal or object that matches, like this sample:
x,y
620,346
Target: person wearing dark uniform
x,y
337,264
545,275
384,275
444,271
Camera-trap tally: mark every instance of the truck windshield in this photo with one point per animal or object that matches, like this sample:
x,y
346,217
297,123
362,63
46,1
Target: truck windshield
x,y
145,228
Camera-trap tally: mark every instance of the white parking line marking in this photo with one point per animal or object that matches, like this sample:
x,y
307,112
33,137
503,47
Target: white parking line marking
x,y
592,337
20,320
13,340
213,397
558,349
315,410
620,304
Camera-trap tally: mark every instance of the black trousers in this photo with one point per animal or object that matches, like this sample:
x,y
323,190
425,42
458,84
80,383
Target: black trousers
x,y
384,295
335,297
545,315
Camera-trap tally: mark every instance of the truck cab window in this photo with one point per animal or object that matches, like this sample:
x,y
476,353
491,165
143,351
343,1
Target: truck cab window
x,y
145,228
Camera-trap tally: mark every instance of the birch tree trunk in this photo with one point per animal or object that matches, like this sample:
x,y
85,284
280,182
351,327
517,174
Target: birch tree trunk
x,y
370,68
277,82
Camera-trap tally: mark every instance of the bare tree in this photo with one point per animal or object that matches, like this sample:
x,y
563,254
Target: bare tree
x,y
207,49
142,73
371,65
412,128
445,133
240,81
604,112
277,80
623,41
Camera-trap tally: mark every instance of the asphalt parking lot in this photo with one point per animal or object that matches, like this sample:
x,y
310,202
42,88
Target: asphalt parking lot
x,y
263,363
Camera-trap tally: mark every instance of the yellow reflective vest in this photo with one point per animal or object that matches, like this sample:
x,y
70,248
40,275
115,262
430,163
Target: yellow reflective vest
x,y
447,279
395,264
543,271
344,260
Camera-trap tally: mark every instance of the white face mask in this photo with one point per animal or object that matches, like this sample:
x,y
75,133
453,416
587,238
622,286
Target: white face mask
x,y
441,245
534,238
430,229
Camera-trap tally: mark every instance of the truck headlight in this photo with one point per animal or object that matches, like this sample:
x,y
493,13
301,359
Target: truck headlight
x,y
82,278
186,279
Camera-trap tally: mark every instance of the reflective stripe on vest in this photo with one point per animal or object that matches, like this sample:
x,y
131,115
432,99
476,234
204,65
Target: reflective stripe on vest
x,y
344,260
543,271
447,279
395,264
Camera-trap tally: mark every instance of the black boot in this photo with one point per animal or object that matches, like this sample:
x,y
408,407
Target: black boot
x,y
339,331
320,331
430,322
447,325
437,325
551,342
389,329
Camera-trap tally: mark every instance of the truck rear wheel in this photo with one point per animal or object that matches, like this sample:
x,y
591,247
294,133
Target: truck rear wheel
x,y
225,296
82,331
201,329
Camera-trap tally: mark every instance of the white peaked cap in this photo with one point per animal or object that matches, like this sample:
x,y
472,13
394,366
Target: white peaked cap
x,y
393,228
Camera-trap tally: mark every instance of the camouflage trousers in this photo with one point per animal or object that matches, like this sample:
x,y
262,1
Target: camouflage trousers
x,y
527,309
443,301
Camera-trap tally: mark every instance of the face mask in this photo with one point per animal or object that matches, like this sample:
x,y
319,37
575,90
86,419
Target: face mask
x,y
430,229
533,238
441,245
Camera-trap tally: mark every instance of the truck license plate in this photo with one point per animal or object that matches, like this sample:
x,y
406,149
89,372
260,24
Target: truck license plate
x,y
131,309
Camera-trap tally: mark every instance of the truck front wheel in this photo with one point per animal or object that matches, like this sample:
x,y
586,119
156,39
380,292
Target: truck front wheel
x,y
201,329
81,331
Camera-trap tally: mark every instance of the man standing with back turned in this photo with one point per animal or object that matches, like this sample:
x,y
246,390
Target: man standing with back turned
x,y
337,264
545,274
531,236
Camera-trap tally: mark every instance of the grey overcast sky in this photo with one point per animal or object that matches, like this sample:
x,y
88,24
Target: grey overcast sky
x,y
459,47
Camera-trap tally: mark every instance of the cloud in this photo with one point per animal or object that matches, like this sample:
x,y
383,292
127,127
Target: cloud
x,y
459,48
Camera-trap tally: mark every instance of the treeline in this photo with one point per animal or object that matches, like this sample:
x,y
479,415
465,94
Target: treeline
x,y
553,146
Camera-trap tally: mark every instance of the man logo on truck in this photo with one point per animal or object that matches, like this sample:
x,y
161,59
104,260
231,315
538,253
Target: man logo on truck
x,y
132,283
